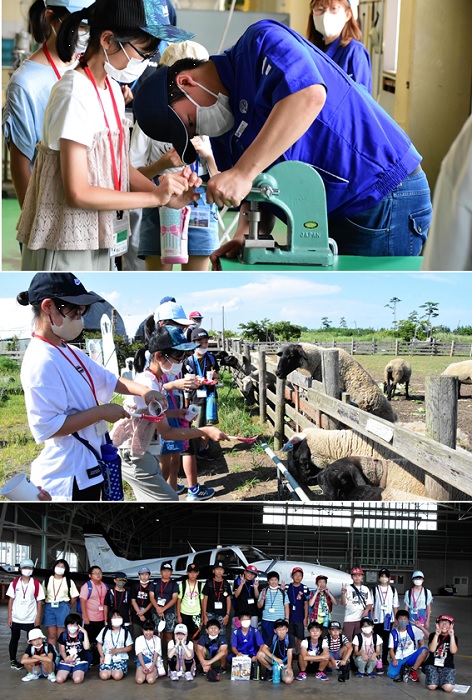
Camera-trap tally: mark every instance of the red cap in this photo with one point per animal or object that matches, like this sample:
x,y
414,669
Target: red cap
x,y
357,570
296,568
195,314
446,618
253,569
321,576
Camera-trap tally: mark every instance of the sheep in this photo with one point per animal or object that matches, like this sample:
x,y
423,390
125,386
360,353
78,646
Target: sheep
x,y
326,446
397,371
345,479
461,370
354,379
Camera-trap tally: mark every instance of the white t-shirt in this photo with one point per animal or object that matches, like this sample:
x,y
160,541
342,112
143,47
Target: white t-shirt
x,y
111,639
74,112
55,389
384,602
406,646
314,652
144,151
148,647
25,607
368,646
354,606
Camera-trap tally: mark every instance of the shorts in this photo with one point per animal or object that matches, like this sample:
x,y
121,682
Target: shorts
x,y
55,616
436,675
312,667
296,629
147,660
172,446
192,446
170,620
118,665
202,240
78,666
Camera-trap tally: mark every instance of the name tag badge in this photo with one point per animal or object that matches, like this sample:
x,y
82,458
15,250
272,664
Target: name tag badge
x,y
383,607
55,604
439,661
320,614
200,216
161,601
241,129
100,607
272,610
415,611
201,393
294,607
121,231
218,606
250,601
191,602
101,428
23,602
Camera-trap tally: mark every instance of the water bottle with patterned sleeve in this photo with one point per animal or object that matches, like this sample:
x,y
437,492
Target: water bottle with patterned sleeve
x,y
174,234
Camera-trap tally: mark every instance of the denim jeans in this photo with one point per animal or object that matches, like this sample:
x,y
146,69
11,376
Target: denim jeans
x,y
397,225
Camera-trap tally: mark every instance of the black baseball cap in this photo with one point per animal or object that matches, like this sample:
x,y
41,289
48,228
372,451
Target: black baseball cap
x,y
218,564
166,565
192,567
385,571
169,338
60,285
157,119
152,16
199,334
334,625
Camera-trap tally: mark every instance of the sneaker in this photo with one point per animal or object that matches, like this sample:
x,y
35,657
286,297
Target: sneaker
x,y
202,494
398,679
181,488
52,677
301,676
359,675
380,671
221,670
14,664
322,676
188,675
414,676
372,674
30,677
174,676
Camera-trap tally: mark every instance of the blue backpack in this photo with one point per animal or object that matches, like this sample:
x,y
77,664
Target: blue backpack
x,y
395,637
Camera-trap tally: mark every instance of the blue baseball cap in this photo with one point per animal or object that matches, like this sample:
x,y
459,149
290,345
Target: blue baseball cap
x,y
157,119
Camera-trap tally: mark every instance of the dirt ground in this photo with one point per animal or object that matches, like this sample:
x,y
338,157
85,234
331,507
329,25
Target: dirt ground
x,y
240,472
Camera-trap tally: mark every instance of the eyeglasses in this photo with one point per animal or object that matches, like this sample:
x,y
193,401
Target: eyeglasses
x,y
144,56
178,357
71,310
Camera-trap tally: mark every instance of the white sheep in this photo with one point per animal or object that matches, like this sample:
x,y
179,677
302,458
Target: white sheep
x,y
354,379
461,370
397,371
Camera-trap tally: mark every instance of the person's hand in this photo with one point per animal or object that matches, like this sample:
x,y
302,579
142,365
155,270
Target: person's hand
x,y
394,662
170,159
203,148
343,588
364,656
342,662
43,495
282,585
230,250
127,94
151,397
176,190
228,189
214,433
112,412
85,619
437,629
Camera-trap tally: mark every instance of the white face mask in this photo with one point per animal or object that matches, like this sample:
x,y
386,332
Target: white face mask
x,y
245,623
37,646
26,572
201,351
417,581
212,120
383,579
213,636
70,329
134,69
330,25
59,570
175,368
367,629
273,588
116,621
72,631
197,324
82,42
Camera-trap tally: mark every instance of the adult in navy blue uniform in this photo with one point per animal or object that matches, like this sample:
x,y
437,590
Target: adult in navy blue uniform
x,y
333,28
274,97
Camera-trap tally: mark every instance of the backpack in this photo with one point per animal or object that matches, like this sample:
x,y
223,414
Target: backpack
x,y
360,595
35,582
374,591
89,593
427,594
395,636
375,639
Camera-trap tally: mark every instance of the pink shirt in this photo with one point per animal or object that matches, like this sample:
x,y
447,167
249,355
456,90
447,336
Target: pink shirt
x,y
93,606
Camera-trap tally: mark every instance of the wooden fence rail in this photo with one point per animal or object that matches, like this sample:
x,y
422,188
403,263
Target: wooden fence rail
x,y
315,403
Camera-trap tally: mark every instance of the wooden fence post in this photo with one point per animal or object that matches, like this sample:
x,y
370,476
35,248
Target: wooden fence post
x,y
262,386
279,414
247,358
330,374
441,424
452,349
396,346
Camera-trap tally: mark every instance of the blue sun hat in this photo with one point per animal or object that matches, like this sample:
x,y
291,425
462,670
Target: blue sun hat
x,y
71,5
152,16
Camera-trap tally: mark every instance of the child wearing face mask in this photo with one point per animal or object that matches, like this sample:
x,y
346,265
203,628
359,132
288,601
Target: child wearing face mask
x,y
61,594
367,649
418,600
25,599
385,598
406,647
38,658
75,212
203,364
118,598
73,646
113,644
141,469
333,27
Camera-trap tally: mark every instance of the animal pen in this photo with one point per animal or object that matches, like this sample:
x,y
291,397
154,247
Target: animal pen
x,y
300,402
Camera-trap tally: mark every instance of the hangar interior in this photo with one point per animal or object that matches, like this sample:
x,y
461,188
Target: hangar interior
x,y
434,537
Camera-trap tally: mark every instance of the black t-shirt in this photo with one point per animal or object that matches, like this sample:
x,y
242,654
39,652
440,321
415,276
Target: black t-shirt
x,y
247,593
140,594
212,644
165,591
71,643
442,653
218,593
205,364
45,649
119,599
280,647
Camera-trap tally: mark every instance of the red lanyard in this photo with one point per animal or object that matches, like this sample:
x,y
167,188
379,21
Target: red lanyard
x,y
50,61
87,377
218,592
415,600
99,590
54,588
123,593
163,590
116,177
384,597
25,590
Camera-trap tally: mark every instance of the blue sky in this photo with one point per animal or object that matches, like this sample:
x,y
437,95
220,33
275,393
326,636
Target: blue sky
x,y
302,298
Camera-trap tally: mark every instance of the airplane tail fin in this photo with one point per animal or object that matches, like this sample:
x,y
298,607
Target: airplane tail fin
x,y
100,553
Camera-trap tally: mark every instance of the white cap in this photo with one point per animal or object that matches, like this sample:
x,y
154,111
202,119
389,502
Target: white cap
x,y
183,49
170,311
35,634
180,629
